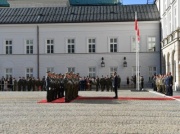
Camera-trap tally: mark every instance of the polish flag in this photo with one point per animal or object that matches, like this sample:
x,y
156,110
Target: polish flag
x,y
136,27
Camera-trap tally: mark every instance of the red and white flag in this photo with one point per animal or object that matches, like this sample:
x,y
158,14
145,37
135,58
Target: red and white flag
x,y
137,28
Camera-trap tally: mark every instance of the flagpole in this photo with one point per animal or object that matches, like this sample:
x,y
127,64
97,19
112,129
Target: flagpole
x,y
137,52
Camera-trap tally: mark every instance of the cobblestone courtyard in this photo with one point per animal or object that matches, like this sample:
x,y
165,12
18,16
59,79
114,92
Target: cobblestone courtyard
x,y
21,114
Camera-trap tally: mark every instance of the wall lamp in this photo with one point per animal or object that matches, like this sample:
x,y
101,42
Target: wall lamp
x,y
102,62
124,62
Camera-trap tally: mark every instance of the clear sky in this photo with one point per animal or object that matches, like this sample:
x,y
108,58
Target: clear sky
x,y
129,2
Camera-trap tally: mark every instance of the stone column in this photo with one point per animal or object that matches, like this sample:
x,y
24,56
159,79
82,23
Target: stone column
x,y
177,83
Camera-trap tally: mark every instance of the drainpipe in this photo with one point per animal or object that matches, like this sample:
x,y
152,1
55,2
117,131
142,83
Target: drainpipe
x,y
37,51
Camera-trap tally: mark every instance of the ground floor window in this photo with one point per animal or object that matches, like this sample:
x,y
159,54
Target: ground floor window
x,y
50,69
112,70
152,71
71,69
134,70
8,72
29,72
92,72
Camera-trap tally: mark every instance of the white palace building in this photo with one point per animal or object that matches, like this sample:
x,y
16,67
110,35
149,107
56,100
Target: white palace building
x,y
81,38
170,38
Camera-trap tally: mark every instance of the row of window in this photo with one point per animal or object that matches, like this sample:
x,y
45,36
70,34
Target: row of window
x,y
71,43
170,21
91,71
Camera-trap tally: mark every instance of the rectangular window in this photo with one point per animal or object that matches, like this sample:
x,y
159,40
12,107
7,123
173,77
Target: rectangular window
x,y
51,69
92,45
50,46
8,72
175,18
29,72
170,29
92,72
71,69
8,46
165,27
165,5
134,70
112,70
152,71
29,46
151,44
133,44
113,44
71,46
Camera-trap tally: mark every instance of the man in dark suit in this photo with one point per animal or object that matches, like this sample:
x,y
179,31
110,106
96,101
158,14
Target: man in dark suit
x,y
115,85
170,92
48,86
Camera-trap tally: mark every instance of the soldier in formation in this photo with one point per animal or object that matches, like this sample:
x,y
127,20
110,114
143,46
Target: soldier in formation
x,y
58,86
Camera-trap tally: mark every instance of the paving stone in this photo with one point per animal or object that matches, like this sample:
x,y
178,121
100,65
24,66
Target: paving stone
x,y
21,114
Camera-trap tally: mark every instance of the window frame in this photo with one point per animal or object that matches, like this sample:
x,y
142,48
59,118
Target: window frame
x,y
71,45
92,44
149,44
113,46
29,73
93,72
8,74
30,50
51,49
8,47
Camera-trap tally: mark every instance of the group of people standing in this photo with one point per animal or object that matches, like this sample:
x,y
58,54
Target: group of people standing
x,y
163,84
100,84
22,84
68,85
62,85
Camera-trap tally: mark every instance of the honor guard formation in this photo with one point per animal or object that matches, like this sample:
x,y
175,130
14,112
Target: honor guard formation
x,y
62,85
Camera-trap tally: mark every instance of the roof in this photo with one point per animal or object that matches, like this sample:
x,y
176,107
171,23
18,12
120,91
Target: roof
x,y
94,2
4,3
79,14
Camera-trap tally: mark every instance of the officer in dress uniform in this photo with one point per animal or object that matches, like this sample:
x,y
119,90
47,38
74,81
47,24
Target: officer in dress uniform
x,y
115,85
48,87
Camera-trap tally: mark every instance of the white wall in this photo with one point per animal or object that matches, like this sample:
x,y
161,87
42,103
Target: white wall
x,y
81,60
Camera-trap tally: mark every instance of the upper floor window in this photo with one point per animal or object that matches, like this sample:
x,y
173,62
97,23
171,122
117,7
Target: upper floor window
x,y
50,46
71,45
29,46
113,44
165,5
169,19
175,18
151,44
8,46
92,45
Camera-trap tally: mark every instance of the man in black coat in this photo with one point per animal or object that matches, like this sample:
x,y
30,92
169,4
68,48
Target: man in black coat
x,y
115,85
48,87
170,91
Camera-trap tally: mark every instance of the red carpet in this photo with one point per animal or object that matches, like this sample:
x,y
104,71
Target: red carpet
x,y
60,100
123,98
177,97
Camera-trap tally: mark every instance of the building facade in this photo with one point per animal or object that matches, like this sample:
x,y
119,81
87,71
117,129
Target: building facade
x,y
78,39
170,34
